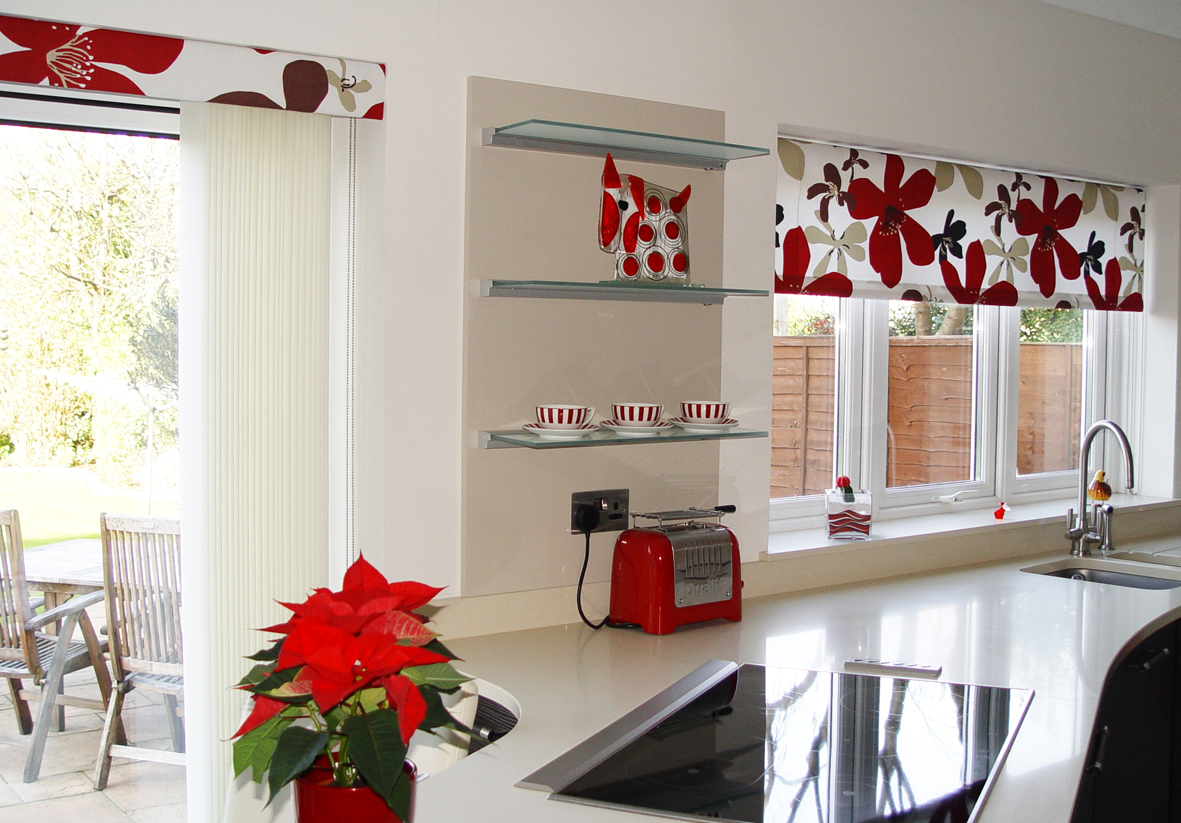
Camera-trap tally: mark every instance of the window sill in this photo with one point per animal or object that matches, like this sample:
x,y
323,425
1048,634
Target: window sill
x,y
805,542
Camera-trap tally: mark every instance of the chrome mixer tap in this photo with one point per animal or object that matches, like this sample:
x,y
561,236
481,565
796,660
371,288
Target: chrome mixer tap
x,y
1082,530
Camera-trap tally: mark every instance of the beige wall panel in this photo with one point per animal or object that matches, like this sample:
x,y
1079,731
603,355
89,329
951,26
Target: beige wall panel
x,y
534,215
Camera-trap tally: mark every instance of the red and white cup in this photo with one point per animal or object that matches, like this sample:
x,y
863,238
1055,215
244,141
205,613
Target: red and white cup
x,y
637,414
704,411
564,417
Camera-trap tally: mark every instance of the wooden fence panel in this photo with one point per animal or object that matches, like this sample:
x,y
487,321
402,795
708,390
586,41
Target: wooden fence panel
x,y
1049,408
929,414
803,391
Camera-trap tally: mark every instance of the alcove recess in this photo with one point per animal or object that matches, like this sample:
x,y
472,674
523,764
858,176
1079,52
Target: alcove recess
x,y
533,215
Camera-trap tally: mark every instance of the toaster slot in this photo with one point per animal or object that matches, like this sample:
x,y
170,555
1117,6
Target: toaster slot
x,y
702,566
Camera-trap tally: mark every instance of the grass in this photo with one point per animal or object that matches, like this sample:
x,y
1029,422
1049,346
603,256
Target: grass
x,y
61,504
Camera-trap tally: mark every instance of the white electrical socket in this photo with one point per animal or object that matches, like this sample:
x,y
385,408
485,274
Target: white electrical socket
x,y
611,504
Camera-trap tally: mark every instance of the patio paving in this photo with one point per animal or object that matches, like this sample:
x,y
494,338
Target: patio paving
x,y
137,791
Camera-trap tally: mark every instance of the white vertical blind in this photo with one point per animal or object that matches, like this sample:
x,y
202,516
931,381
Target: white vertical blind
x,y
254,354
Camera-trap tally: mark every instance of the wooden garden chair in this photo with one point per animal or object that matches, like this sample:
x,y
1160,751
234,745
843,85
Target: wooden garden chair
x,y
141,575
28,652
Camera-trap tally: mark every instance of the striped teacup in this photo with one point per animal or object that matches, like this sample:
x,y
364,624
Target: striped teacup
x,y
704,411
564,417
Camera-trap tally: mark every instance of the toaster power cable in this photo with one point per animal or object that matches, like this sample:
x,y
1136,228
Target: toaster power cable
x,y
586,520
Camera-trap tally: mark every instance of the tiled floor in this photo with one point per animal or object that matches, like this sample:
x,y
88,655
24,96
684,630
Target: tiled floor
x,y
137,791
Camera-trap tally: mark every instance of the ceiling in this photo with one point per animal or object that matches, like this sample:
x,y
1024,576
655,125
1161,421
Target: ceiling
x,y
1160,16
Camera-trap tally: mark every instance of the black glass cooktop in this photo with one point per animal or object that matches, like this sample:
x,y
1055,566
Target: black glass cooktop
x,y
758,744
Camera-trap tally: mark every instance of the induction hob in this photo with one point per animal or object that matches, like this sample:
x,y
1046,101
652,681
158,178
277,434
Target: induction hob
x,y
756,744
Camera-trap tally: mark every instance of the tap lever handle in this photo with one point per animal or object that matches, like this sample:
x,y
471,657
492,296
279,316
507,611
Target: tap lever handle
x,y
1103,515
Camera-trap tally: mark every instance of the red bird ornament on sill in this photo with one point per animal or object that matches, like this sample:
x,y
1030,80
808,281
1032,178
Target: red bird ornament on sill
x,y
645,226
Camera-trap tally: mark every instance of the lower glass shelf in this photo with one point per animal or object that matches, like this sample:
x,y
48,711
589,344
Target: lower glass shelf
x,y
615,290
518,439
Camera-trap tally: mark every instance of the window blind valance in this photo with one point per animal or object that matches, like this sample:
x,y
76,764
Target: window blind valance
x,y
858,223
84,58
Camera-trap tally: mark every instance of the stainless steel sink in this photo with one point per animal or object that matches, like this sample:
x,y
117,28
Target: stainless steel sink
x,y
1112,572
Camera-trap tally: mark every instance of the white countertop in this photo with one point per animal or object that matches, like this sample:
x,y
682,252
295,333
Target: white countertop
x,y
989,625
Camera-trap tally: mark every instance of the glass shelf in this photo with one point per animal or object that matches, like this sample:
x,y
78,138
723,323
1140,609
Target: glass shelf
x,y
613,290
572,138
517,438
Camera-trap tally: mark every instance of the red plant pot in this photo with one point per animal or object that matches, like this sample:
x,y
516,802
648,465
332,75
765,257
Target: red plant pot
x,y
317,800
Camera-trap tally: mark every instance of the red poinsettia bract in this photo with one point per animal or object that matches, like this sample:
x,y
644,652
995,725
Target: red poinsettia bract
x,y
358,665
796,259
63,56
1108,299
347,641
968,293
1047,223
889,205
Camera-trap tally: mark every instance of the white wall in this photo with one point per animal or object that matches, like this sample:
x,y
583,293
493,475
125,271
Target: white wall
x,y
1007,81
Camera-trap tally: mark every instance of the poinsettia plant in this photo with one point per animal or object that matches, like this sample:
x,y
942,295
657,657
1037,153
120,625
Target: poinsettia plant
x,y
355,673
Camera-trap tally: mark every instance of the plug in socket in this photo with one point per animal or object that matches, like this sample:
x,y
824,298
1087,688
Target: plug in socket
x,y
612,505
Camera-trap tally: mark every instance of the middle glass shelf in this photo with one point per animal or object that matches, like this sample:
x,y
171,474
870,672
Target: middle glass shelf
x,y
516,438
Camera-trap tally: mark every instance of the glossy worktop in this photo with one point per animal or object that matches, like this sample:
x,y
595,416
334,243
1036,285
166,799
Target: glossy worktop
x,y
987,625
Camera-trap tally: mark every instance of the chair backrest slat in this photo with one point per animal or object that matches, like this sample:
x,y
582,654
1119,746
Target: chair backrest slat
x,y
141,573
15,641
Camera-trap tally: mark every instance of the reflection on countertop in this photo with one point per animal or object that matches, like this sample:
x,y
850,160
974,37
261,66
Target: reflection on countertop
x,y
991,625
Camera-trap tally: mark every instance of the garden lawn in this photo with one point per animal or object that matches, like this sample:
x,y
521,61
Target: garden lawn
x,y
58,504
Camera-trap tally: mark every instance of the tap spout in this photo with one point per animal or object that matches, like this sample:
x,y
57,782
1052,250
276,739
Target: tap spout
x,y
1079,531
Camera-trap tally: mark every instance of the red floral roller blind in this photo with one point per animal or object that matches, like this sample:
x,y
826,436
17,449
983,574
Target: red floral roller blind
x,y
45,52
858,223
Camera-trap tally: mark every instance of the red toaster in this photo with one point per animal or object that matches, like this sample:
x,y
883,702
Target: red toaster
x,y
679,570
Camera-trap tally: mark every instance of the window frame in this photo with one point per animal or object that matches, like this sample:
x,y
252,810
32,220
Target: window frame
x,y
1113,351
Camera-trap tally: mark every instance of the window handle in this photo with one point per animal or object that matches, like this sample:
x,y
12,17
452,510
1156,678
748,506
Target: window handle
x,y
948,498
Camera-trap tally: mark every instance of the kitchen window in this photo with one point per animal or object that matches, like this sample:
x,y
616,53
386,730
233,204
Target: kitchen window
x,y
959,368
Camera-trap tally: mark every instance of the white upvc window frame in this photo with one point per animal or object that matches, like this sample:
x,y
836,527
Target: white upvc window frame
x,y
1112,383
913,500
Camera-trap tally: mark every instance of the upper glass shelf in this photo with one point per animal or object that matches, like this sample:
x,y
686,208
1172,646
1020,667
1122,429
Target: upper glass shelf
x,y
614,290
518,438
572,138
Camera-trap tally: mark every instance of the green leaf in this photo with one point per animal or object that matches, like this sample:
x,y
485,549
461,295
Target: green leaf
x,y
376,747
399,799
295,750
973,180
437,647
442,676
254,749
791,157
270,654
944,175
256,675
370,700
335,717
274,680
